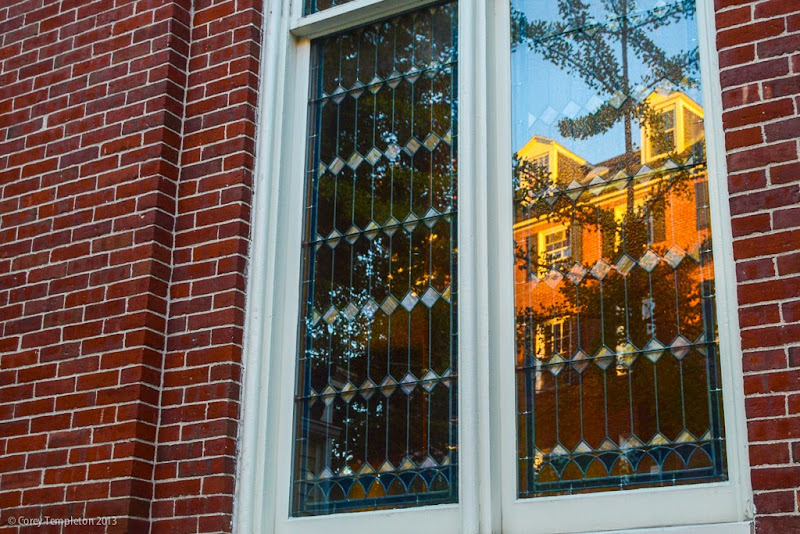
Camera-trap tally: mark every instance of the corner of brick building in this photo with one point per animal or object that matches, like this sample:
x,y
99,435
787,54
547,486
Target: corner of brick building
x,y
126,155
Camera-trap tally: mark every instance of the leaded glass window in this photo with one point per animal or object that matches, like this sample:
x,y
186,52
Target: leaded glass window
x,y
617,363
375,402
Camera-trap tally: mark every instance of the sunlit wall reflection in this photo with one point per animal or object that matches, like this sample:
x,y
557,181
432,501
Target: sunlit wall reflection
x,y
617,353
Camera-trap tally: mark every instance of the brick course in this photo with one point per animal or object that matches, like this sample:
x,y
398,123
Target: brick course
x,y
759,51
126,156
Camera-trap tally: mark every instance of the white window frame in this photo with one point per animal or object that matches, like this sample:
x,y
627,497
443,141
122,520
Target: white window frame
x,y
488,500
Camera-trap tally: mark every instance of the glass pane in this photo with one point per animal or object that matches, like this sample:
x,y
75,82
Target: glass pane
x,y
375,411
617,353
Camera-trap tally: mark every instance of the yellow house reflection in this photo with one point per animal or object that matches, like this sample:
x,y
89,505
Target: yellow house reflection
x,y
614,297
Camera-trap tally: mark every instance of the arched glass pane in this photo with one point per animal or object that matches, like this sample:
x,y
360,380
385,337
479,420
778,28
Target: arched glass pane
x,y
617,353
375,410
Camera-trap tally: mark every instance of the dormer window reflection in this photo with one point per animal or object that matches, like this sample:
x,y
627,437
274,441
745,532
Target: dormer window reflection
x,y
673,127
663,136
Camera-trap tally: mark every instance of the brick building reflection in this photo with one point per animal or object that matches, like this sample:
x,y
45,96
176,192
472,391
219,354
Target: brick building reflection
x,y
616,353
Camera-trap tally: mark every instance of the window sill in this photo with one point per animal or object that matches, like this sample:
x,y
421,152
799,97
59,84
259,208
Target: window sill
x,y
740,527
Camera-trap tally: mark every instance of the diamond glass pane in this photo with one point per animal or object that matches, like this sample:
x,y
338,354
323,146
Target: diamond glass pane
x,y
617,356
377,440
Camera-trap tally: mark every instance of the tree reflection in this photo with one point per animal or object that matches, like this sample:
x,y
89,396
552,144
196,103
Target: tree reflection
x,y
598,53
376,390
614,285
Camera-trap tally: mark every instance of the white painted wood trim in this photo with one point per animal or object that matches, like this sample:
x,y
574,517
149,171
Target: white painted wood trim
x,y
351,15
688,506
742,527
725,267
435,519
473,305
502,321
253,505
289,254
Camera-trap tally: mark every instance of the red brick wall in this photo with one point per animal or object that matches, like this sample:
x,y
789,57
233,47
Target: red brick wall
x,y
126,153
202,366
759,52
126,157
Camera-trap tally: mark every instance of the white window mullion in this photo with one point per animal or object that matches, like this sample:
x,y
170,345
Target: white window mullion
x,y
473,317
501,254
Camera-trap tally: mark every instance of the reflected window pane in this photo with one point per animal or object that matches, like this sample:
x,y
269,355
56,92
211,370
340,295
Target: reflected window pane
x,y
375,404
617,352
